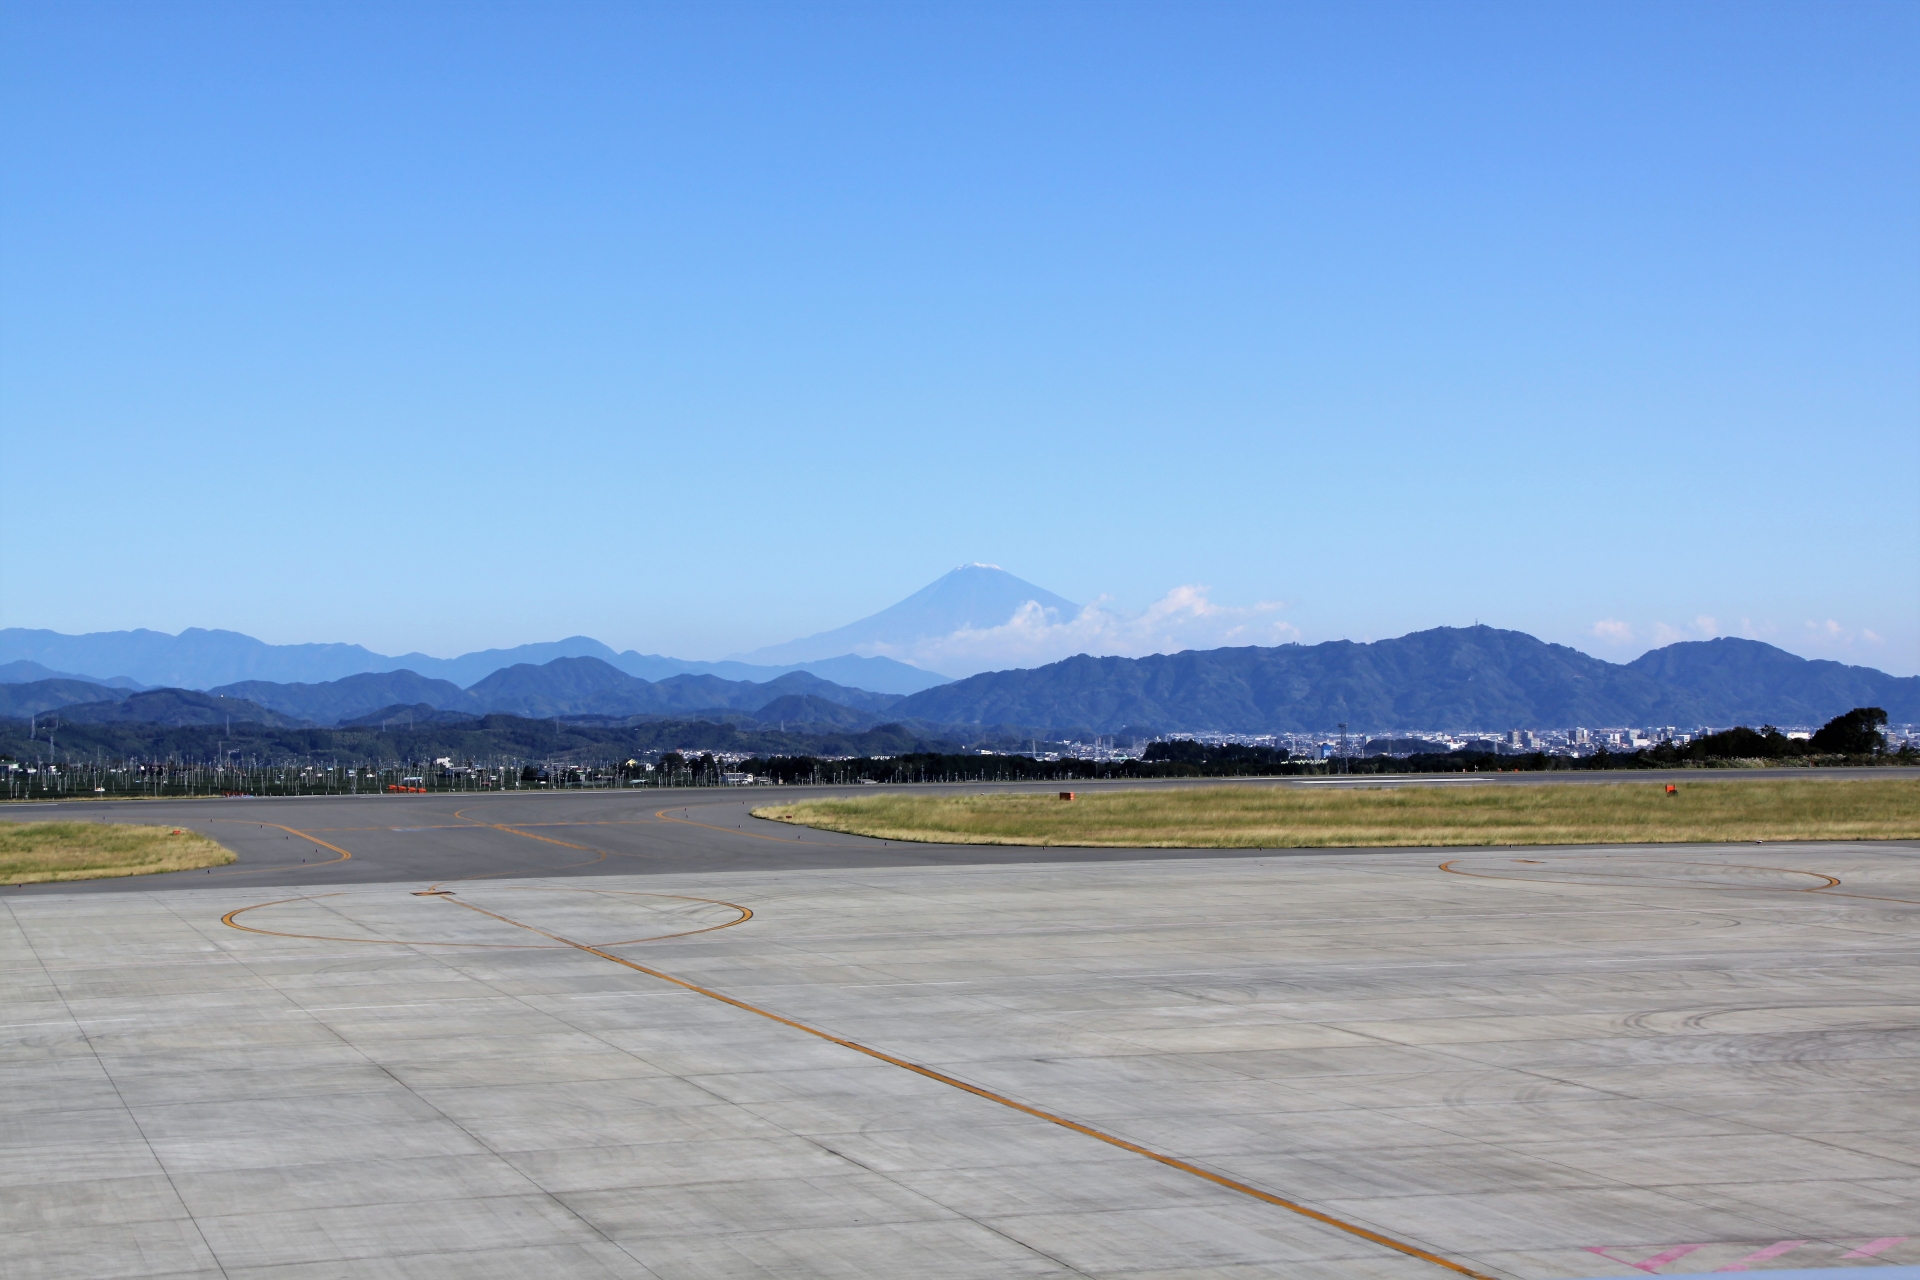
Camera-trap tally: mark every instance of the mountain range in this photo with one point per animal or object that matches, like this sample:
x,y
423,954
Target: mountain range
x,y
1472,678
22,671
571,687
1446,678
971,599
202,659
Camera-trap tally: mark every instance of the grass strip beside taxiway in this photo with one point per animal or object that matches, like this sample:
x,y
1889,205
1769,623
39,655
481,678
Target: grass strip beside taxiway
x,y
36,852
1267,817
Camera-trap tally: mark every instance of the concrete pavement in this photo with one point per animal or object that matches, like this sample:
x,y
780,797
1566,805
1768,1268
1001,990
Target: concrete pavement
x,y
1532,1064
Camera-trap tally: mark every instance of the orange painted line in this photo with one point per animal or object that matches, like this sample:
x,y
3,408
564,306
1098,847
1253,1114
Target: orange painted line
x,y
1172,1162
476,824
304,835
746,914
1831,881
1824,890
1871,896
231,923
565,844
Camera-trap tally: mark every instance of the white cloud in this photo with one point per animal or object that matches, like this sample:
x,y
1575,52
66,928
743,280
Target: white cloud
x,y
1832,636
1184,618
1613,631
1703,627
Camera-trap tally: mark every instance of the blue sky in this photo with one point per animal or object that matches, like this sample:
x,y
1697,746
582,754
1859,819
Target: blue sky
x,y
697,328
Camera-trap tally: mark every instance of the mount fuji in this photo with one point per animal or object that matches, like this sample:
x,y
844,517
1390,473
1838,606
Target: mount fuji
x,y
973,597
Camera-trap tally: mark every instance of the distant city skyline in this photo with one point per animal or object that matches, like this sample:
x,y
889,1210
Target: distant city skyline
x,y
702,330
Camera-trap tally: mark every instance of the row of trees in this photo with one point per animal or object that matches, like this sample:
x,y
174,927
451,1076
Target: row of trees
x,y
1853,738
1177,759
155,779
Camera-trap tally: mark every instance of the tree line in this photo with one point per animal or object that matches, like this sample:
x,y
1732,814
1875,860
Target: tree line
x,y
1853,738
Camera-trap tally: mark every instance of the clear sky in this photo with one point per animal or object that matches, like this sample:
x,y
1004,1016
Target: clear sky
x,y
700,327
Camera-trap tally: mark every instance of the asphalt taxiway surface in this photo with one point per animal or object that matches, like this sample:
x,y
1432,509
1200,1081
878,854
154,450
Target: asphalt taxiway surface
x,y
331,840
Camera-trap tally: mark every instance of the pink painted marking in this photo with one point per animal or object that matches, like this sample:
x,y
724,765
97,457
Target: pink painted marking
x,y
1761,1255
1659,1260
1654,1263
1872,1247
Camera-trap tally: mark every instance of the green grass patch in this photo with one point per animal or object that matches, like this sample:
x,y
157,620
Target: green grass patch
x,y
36,852
1278,817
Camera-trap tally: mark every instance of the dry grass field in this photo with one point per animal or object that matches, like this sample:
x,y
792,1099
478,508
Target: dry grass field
x,y
1268,817
34,852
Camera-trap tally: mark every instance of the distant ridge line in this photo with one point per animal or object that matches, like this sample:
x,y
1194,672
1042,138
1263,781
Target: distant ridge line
x,y
198,658
1444,678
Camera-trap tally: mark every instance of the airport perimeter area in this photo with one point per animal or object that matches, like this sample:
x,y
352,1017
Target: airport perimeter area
x,y
613,1035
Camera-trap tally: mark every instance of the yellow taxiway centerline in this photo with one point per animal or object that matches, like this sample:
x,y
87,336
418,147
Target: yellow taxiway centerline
x,y
1172,1162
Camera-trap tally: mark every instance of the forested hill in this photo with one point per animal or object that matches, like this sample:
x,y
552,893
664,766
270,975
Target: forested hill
x,y
1751,683
1449,677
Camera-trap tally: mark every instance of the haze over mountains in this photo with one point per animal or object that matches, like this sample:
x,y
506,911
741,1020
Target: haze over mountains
x,y
201,659
22,671
572,687
1445,678
971,598
874,653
